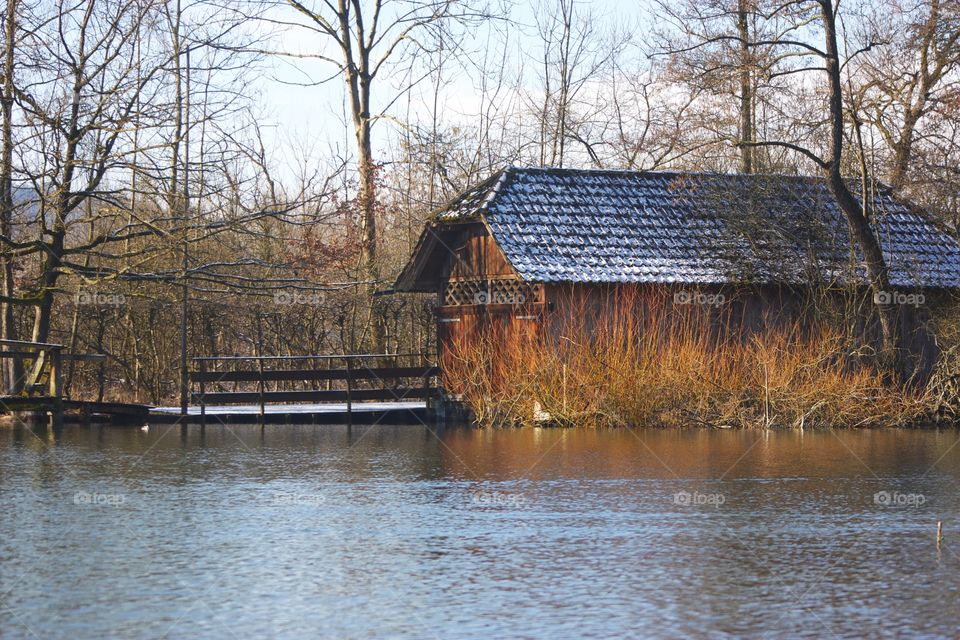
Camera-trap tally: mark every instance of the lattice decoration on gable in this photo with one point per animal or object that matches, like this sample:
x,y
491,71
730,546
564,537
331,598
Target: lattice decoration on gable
x,y
493,291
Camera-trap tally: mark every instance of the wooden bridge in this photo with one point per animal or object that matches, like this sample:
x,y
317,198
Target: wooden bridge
x,y
347,388
343,388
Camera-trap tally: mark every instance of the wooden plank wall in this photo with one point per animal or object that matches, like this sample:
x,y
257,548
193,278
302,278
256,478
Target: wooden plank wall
x,y
477,256
745,310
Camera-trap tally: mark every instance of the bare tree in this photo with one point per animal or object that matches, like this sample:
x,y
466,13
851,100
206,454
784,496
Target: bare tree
x,y
78,102
362,40
913,76
576,53
827,59
7,328
715,48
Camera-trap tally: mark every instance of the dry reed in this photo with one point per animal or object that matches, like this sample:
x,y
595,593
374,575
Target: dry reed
x,y
642,361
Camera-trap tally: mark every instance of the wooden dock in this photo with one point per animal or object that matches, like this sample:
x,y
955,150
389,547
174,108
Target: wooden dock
x,y
119,413
411,412
321,389
39,409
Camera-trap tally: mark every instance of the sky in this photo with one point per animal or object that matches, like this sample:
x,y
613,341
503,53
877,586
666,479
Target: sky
x,y
299,114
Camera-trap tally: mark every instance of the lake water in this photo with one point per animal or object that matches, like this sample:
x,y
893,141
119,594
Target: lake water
x,y
330,532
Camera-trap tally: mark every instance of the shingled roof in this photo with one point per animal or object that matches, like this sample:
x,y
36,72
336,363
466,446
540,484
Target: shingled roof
x,y
590,226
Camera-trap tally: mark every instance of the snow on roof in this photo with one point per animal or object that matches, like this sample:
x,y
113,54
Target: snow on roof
x,y
593,226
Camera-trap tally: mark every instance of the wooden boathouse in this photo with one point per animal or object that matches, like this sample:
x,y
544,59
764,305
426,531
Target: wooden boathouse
x,y
526,244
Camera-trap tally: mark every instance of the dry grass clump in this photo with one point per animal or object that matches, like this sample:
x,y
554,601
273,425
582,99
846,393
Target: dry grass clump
x,y
645,362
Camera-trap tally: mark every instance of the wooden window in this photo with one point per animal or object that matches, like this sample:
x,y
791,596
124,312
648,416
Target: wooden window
x,y
492,291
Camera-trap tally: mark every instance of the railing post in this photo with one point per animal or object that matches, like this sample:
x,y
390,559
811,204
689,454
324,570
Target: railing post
x,y
203,392
56,385
40,362
261,385
349,391
426,386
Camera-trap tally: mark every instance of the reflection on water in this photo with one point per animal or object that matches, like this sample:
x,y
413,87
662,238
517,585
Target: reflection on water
x,y
318,531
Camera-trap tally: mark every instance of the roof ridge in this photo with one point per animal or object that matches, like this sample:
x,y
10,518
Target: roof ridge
x,y
674,172
495,189
487,185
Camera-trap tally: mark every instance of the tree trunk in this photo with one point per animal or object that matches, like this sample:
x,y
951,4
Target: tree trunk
x,y
368,231
357,75
12,372
903,151
48,282
746,90
859,226
54,250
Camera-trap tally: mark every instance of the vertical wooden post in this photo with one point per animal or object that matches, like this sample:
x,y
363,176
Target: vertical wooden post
x,y
261,385
259,351
349,390
426,384
564,383
203,392
56,385
766,398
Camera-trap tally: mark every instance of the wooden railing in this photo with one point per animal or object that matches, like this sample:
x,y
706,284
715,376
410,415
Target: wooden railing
x,y
38,383
348,378
38,378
